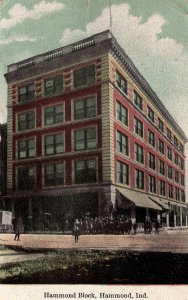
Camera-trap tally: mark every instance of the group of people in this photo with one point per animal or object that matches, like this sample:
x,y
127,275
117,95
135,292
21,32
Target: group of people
x,y
99,225
88,225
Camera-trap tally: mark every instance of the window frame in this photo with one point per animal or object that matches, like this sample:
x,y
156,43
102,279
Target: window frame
x,y
139,179
138,127
27,121
29,95
85,80
86,169
119,114
25,148
86,112
53,114
55,89
54,173
85,139
122,172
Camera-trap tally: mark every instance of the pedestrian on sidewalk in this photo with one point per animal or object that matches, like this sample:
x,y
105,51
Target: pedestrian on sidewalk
x,y
76,230
18,228
156,227
135,226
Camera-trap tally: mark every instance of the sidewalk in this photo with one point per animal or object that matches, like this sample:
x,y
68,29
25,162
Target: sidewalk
x,y
175,241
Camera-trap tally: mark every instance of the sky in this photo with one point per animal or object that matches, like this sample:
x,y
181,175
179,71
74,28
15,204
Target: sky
x,y
154,33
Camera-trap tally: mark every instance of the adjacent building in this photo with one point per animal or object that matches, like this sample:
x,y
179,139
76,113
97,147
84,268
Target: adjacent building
x,y
88,136
3,164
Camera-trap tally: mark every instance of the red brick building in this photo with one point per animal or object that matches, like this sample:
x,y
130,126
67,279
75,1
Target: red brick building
x,y
88,136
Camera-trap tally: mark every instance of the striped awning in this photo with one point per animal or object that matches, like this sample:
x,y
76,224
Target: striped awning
x,y
138,199
160,202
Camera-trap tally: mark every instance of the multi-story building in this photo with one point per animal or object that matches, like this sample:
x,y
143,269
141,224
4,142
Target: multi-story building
x,y
3,163
88,136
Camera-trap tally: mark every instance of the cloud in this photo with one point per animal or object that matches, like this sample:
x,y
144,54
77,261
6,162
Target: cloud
x,y
162,61
18,38
19,13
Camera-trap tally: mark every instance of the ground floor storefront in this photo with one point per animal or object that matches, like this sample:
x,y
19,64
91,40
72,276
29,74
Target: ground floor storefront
x,y
50,209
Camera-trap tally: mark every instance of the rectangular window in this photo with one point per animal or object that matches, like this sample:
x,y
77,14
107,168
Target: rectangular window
x,y
151,115
151,138
169,153
152,184
122,173
181,164
176,142
122,143
177,193
139,179
161,146
26,93
170,191
138,101
26,148
138,127
138,153
176,176
161,167
162,187
169,134
151,161
85,139
182,196
176,159
181,148
161,125
85,108
121,83
26,120
121,113
26,178
54,144
54,174
84,77
182,180
53,86
53,115
169,172
85,171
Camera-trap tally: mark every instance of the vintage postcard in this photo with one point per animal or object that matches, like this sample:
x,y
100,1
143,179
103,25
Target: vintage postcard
x,y
93,145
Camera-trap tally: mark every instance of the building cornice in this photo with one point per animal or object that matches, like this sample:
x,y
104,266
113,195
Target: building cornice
x,y
87,49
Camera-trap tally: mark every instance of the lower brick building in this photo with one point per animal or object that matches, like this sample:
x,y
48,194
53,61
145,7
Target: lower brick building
x,y
87,136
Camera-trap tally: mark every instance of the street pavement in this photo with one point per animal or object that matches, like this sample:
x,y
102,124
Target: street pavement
x,y
175,241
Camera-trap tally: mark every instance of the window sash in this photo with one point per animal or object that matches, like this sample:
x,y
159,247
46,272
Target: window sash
x,y
53,115
122,173
85,139
54,174
122,113
26,120
122,143
54,144
26,93
85,108
139,179
26,178
26,148
88,172
53,86
152,184
85,76
138,127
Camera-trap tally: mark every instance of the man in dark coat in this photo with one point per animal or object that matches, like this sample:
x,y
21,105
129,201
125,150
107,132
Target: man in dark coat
x,y
18,228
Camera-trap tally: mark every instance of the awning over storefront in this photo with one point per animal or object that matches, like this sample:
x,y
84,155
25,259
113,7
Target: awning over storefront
x,y
174,203
133,198
160,202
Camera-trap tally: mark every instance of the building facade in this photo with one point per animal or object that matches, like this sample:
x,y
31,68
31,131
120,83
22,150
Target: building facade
x,y
3,164
88,136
